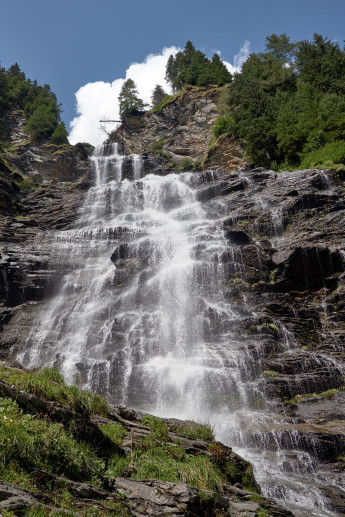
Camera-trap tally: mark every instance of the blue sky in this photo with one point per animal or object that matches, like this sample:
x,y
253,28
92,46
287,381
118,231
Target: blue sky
x,y
71,43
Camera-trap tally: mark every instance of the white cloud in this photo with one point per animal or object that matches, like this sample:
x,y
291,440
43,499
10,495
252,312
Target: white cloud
x,y
239,59
100,99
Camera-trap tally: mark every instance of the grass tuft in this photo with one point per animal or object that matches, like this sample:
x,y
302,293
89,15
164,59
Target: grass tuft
x,y
49,384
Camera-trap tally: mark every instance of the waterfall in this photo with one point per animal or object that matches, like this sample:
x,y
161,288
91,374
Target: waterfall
x,y
140,316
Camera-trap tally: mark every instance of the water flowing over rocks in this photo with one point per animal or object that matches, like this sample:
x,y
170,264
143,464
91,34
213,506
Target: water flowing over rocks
x,y
213,296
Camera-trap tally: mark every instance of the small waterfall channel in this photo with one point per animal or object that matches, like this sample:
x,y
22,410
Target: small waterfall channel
x,y
140,316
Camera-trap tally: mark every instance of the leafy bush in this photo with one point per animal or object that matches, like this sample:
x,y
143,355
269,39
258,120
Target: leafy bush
x,y
187,164
224,125
156,146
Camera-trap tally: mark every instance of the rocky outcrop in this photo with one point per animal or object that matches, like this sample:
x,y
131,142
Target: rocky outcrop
x,y
152,497
48,162
184,126
44,162
226,153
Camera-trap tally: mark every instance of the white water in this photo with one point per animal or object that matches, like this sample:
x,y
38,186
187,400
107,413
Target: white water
x,y
153,330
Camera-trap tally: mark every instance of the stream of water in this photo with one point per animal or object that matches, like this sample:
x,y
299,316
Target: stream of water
x,y
141,318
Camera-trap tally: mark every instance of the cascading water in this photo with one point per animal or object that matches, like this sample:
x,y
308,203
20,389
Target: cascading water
x,y
155,332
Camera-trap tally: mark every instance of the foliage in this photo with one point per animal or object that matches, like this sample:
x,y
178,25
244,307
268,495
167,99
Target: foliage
x,y
224,125
25,184
196,431
49,384
28,442
288,103
191,66
36,443
38,103
60,135
159,429
328,155
115,431
128,99
158,95
172,464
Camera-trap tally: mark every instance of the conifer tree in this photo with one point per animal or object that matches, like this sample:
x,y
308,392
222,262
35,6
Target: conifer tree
x,y
157,95
129,100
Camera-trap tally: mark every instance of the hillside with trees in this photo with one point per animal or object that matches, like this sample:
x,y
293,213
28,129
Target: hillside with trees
x,y
38,103
287,105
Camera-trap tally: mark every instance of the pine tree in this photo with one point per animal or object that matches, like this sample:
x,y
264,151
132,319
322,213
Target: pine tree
x,y
129,100
157,95
60,135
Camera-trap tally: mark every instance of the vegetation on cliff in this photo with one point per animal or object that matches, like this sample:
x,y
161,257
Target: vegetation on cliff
x,y
38,103
288,104
129,101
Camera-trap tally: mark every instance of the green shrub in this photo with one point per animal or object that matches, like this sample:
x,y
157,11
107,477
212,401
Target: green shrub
x,y
156,146
224,125
326,157
197,165
187,164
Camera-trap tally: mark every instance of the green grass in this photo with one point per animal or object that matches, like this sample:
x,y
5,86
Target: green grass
x,y
116,432
176,466
196,431
330,394
34,442
49,384
328,156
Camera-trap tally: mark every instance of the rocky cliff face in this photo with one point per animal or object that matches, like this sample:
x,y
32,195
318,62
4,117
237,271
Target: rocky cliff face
x,y
41,188
185,127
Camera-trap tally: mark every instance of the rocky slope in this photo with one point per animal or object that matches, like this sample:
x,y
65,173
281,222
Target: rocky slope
x,y
184,125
